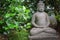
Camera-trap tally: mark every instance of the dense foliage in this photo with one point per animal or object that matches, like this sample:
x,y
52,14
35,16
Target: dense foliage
x,y
16,15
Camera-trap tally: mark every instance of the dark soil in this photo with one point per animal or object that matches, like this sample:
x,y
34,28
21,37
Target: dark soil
x,y
3,37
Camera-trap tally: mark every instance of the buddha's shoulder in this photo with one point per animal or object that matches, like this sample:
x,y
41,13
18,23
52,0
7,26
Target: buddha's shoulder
x,y
45,13
36,13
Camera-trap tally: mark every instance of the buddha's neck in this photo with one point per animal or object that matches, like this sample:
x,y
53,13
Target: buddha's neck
x,y
41,11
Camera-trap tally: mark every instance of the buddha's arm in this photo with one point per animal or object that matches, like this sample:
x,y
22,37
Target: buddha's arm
x,y
33,21
48,21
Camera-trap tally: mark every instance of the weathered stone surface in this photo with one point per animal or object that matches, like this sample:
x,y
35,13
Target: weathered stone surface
x,y
48,38
44,36
37,31
41,29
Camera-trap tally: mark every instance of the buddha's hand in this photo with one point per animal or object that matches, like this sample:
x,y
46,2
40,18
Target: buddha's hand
x,y
45,28
41,27
38,26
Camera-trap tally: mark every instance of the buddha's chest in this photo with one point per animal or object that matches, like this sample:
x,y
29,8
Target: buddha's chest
x,y
41,16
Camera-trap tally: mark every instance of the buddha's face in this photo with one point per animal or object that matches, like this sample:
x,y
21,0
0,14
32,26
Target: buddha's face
x,y
41,7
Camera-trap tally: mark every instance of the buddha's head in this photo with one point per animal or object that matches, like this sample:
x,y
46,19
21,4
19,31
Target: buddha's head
x,y
40,6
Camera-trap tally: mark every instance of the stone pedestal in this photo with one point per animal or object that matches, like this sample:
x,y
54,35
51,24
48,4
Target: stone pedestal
x,y
45,36
48,38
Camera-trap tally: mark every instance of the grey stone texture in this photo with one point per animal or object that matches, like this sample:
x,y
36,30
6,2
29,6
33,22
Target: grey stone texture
x,y
41,22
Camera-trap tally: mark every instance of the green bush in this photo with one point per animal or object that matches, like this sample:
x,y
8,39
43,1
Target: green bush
x,y
16,35
16,14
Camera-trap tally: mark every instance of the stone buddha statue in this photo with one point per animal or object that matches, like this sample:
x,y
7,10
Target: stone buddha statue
x,y
41,22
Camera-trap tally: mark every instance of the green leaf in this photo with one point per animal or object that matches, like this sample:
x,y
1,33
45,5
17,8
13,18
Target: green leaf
x,y
7,15
28,25
1,22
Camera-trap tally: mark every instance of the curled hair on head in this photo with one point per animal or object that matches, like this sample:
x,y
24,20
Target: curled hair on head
x,y
40,4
